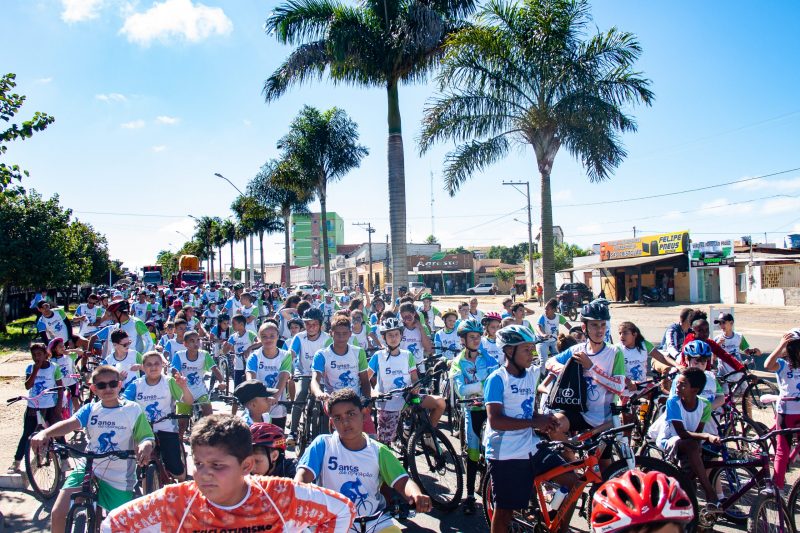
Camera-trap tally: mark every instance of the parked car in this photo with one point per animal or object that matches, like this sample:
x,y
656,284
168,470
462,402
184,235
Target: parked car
x,y
580,292
483,288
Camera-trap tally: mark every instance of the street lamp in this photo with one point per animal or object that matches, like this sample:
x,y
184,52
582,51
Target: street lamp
x,y
252,272
183,235
527,194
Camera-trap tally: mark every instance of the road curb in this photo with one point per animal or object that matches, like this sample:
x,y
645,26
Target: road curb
x,y
13,481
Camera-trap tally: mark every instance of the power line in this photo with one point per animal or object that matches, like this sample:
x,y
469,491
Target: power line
x,y
685,191
490,221
129,214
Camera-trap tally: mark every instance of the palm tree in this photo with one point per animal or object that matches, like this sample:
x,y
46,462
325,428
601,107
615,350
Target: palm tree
x,y
228,230
527,74
373,44
204,228
272,186
218,239
266,220
242,208
323,146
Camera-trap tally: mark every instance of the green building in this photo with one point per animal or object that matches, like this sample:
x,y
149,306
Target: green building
x,y
307,236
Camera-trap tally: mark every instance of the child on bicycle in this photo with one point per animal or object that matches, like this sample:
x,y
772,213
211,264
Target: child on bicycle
x,y
446,341
39,377
638,502
681,435
242,342
547,327
122,357
468,373
169,334
416,337
785,362
193,363
350,462
66,361
269,452
111,424
272,366
492,322
510,442
157,395
176,345
224,496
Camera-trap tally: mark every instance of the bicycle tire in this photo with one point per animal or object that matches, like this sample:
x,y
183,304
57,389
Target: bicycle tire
x,y
730,479
152,480
304,430
80,519
792,503
43,471
517,525
650,464
226,372
752,407
441,461
762,518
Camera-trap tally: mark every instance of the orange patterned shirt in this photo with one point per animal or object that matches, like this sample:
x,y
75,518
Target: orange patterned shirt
x,y
271,504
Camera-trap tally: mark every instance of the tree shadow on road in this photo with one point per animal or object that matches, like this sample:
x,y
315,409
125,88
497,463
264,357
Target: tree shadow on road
x,y
16,507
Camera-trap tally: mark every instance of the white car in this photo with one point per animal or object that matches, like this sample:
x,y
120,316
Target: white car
x,y
482,288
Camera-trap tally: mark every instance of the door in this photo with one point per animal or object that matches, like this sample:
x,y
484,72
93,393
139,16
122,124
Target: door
x,y
620,288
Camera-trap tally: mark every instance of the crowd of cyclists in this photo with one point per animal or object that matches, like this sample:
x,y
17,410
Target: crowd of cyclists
x,y
348,381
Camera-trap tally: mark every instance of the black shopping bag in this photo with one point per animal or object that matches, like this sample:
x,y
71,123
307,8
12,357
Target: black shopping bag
x,y
569,390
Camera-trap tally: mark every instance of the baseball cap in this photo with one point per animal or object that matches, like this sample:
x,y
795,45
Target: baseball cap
x,y
724,317
252,388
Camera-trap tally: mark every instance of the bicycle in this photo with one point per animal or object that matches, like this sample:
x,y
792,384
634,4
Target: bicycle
x,y
538,517
311,422
154,475
754,387
426,453
224,365
43,468
84,513
398,510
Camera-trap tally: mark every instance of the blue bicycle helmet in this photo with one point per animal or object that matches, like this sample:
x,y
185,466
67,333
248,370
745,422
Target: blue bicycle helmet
x,y
313,314
515,334
697,349
596,310
470,326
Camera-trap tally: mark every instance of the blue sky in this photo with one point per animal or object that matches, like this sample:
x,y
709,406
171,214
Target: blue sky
x,y
152,98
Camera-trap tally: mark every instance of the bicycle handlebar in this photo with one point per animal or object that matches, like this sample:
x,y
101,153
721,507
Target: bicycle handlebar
x,y
588,445
120,454
171,416
762,438
45,392
404,509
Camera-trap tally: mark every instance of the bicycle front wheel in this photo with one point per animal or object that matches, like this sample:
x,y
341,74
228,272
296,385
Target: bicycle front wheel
x,y
44,471
752,406
793,505
152,481
523,521
728,480
768,515
80,519
434,465
225,370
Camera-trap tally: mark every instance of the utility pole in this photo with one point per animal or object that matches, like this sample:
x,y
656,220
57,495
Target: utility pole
x,y
433,228
527,194
370,231
634,232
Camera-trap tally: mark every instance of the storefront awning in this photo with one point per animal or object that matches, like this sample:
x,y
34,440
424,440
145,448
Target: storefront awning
x,y
627,262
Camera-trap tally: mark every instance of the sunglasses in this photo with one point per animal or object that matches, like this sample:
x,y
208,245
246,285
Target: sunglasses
x,y
124,344
103,385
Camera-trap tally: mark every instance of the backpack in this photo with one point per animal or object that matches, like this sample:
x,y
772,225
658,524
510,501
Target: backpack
x,y
568,393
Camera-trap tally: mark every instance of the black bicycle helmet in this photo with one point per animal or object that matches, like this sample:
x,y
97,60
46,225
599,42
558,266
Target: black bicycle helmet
x,y
298,321
314,314
596,310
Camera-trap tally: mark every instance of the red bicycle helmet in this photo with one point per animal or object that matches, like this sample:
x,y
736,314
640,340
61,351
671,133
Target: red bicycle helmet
x,y
488,317
637,498
121,306
268,435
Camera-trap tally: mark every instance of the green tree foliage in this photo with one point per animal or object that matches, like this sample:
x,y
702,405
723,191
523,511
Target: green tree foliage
x,y
503,275
535,73
456,251
564,252
168,262
369,44
431,239
43,247
324,148
510,255
10,104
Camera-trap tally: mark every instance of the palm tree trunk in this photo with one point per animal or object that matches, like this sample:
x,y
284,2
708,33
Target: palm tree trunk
x,y
286,253
219,254
323,207
233,241
211,259
244,245
548,260
397,190
261,252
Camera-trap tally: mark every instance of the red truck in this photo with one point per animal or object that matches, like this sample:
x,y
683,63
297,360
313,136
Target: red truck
x,y
189,273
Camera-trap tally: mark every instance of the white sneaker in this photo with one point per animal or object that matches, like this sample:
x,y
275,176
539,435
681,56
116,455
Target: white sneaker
x,y
14,468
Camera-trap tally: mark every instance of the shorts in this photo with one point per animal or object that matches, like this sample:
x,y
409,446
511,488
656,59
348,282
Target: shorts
x,y
171,451
108,497
668,445
73,390
578,424
186,408
514,477
238,377
387,425
474,421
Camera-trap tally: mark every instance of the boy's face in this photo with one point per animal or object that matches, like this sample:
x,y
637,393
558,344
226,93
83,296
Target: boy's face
x,y
697,362
238,325
219,475
341,334
312,327
257,405
683,389
595,330
463,310
108,393
294,329
153,366
180,329
393,338
347,419
450,322
268,337
192,342
262,465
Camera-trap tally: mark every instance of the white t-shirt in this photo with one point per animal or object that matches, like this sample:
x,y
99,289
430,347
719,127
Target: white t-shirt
x,y
131,358
490,348
636,361
412,341
304,350
340,371
516,395
675,411
269,370
392,372
240,344
448,341
92,314
789,385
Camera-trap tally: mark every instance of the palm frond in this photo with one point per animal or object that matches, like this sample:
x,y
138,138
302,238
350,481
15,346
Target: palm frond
x,y
470,157
305,63
299,21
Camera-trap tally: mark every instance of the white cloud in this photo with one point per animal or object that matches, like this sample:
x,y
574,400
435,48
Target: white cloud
x,y
561,196
247,122
181,19
111,97
159,148
781,205
80,10
721,206
44,81
164,119
133,125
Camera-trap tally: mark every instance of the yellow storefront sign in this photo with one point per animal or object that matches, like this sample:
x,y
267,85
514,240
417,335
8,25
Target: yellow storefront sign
x,y
676,242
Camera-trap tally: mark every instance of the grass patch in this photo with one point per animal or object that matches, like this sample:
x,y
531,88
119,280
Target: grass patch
x,y
20,334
